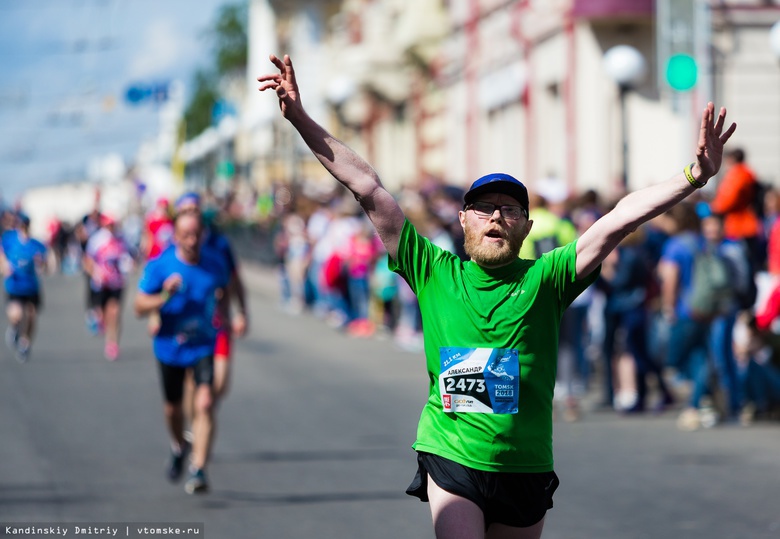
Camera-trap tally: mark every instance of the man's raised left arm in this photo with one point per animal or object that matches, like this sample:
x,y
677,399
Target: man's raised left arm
x,y
640,206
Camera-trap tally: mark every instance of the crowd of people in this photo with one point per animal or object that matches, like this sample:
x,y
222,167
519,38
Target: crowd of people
x,y
637,339
190,289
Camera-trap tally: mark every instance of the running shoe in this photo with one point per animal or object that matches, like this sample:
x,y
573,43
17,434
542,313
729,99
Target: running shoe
x,y
197,483
22,351
111,351
188,435
176,462
91,321
11,337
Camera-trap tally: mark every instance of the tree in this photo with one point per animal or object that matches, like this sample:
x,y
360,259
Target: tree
x,y
197,116
229,40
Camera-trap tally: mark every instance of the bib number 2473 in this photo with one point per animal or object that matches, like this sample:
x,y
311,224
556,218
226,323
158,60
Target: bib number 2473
x,y
479,380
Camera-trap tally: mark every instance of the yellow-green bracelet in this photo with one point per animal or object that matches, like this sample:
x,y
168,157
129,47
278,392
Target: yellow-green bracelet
x,y
689,176
165,295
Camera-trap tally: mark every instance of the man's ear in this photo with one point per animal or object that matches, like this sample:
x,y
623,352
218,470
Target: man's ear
x,y
462,219
527,228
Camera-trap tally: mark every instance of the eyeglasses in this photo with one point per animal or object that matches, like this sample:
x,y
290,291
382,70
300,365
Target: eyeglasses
x,y
484,210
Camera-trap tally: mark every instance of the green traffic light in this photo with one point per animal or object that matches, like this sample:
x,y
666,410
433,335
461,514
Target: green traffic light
x,y
681,72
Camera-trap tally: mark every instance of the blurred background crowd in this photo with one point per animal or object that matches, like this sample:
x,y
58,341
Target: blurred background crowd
x,y
582,100
657,332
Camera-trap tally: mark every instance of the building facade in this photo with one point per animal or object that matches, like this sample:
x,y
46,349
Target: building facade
x,y
428,89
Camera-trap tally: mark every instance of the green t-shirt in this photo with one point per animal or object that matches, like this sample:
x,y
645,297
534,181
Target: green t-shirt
x,y
505,319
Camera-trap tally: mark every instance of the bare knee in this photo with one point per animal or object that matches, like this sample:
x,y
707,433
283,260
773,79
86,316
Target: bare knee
x,y
204,400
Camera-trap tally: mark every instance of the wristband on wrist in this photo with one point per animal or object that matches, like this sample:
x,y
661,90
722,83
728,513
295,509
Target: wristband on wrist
x,y
689,176
165,295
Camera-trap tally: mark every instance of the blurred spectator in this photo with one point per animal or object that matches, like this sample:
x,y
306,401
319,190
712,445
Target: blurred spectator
x,y
702,277
551,228
734,200
686,350
295,258
158,230
362,250
757,344
626,278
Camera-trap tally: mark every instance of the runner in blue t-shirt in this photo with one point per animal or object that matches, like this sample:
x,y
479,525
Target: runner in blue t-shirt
x,y
21,258
235,320
186,285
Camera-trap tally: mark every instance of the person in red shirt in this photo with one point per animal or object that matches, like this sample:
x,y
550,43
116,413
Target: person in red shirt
x,y
734,201
158,231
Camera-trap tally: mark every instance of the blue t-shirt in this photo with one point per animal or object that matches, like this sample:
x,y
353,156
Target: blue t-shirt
x,y
219,243
189,319
22,256
681,250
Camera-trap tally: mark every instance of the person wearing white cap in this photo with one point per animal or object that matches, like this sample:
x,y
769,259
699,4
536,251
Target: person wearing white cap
x,y
484,441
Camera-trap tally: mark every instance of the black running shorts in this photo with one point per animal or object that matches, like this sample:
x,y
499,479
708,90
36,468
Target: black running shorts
x,y
101,297
172,378
34,299
513,499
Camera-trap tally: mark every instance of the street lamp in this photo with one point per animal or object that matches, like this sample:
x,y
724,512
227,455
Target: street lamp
x,y
627,67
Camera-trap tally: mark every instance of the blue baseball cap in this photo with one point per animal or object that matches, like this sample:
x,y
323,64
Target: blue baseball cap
x,y
190,197
24,219
498,183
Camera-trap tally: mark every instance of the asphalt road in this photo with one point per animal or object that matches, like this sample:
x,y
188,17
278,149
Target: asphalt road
x,y
314,441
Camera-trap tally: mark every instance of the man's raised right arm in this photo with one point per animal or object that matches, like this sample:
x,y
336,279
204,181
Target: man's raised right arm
x,y
344,164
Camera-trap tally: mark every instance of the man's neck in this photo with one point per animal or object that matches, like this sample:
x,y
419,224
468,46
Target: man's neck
x,y
184,257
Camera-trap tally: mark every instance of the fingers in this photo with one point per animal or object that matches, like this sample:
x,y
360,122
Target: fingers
x,y
705,124
269,86
720,121
727,135
277,62
290,72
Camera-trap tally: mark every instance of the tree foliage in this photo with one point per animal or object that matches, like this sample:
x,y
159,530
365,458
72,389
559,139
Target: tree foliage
x,y
229,38
205,95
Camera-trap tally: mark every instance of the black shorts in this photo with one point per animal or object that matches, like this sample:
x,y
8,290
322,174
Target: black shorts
x,y
172,378
34,299
99,298
513,499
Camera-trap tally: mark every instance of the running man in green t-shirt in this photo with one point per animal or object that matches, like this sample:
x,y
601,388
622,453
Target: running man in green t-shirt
x,y
484,440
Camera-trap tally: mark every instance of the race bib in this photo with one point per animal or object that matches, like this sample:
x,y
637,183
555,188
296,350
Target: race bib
x,y
479,380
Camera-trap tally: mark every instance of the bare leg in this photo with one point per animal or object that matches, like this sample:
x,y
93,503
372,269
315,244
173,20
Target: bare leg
x,y
174,420
500,531
454,517
28,326
202,426
14,311
111,319
221,377
188,400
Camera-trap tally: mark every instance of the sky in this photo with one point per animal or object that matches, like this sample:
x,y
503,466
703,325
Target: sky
x,y
67,66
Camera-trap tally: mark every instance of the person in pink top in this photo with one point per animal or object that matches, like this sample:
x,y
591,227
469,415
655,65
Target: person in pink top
x,y
107,260
361,253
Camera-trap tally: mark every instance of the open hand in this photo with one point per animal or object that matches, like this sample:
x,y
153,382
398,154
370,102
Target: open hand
x,y
285,86
709,151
